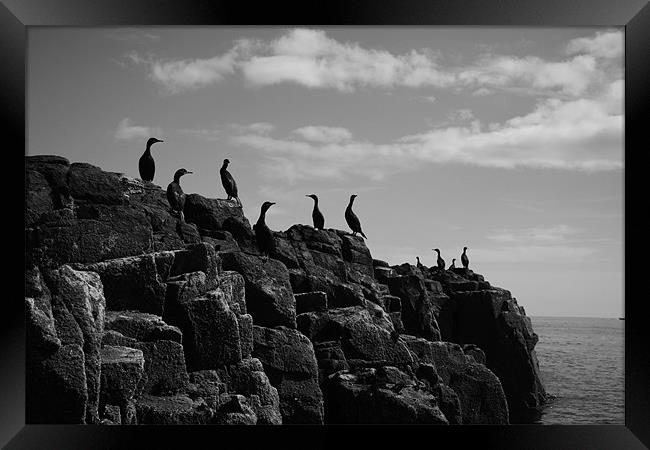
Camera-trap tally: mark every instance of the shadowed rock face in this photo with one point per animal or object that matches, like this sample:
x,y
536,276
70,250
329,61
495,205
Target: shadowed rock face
x,y
135,317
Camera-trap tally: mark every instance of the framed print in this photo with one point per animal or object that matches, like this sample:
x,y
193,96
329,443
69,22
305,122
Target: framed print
x,y
248,223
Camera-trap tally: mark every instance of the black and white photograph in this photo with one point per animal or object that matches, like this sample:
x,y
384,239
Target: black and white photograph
x,y
325,225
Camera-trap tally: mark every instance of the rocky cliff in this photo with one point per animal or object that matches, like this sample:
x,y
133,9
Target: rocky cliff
x,y
134,317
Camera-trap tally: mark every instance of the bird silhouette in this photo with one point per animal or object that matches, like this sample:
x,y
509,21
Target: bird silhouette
x,y
263,234
464,259
316,215
352,219
146,164
175,194
228,182
440,262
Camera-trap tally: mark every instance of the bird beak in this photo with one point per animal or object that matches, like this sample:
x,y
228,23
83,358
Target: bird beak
x,y
160,140
273,203
189,172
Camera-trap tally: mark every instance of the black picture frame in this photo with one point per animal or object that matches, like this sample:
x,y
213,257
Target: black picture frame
x,y
634,15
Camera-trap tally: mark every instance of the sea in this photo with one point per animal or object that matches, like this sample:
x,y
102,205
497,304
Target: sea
x,y
582,369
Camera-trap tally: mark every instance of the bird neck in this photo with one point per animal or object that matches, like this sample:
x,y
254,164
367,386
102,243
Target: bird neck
x,y
315,202
350,204
177,179
148,149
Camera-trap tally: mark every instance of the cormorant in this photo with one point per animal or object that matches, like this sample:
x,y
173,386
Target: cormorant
x,y
175,195
263,234
352,219
229,182
419,264
440,261
146,164
316,215
464,259
453,264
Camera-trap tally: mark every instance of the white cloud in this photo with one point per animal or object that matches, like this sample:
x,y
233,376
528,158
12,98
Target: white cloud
x,y
310,58
323,134
547,254
583,134
604,44
127,131
548,235
259,128
572,77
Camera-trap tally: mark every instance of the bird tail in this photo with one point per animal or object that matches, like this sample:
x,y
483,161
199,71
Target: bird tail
x,y
364,236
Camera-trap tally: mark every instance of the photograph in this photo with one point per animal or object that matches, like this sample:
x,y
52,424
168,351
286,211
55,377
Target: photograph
x,y
352,220
270,225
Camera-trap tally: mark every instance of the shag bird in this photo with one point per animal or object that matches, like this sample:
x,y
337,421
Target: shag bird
x,y
352,219
453,264
464,259
229,182
440,261
419,264
316,215
175,195
146,163
263,234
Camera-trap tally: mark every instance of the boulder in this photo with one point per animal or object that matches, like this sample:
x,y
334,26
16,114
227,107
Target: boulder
x,y
479,391
210,328
141,326
82,294
122,369
172,410
311,301
365,333
269,297
132,283
367,396
418,314
290,364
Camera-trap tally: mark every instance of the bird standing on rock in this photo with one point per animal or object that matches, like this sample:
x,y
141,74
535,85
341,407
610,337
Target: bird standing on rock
x,y
440,261
263,234
229,182
316,215
175,194
464,259
146,164
419,264
352,219
453,264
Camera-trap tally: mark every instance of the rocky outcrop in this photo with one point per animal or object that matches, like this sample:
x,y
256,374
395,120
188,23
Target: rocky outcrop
x,y
135,317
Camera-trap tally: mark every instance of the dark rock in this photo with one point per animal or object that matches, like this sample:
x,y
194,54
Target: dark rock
x,y
172,410
210,329
38,197
289,361
91,184
330,359
418,315
365,334
269,297
210,214
206,385
122,369
480,393
98,233
141,326
82,294
475,352
132,283
56,388
311,301
248,378
369,397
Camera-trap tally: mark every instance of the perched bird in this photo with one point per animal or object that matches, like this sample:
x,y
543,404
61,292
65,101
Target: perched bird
x,y
229,182
419,264
146,164
263,234
453,264
440,261
316,215
464,259
175,194
352,219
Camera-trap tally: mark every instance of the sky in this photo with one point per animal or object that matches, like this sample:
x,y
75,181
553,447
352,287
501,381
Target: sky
x,y
506,140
